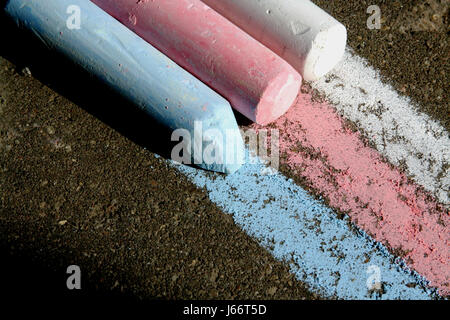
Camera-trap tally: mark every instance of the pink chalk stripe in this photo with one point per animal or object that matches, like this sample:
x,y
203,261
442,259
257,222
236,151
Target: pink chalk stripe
x,y
333,161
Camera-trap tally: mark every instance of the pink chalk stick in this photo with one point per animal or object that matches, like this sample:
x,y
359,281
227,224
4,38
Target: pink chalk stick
x,y
334,162
256,82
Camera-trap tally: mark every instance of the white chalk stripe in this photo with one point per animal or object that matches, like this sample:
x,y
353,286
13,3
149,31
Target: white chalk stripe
x,y
404,135
322,251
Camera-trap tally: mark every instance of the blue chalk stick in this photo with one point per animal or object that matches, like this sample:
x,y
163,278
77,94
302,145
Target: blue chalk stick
x,y
103,46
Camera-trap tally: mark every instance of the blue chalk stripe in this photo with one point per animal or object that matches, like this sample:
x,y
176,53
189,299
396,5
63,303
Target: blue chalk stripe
x,y
332,258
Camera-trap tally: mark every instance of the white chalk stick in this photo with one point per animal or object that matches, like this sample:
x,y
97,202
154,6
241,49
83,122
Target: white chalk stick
x,y
303,34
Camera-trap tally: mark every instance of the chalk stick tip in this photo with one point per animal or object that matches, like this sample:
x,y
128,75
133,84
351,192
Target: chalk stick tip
x,y
327,50
232,155
279,96
222,147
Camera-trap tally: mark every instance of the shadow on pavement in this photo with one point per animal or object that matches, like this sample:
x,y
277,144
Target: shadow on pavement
x,y
25,274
